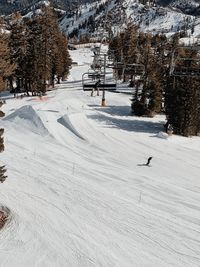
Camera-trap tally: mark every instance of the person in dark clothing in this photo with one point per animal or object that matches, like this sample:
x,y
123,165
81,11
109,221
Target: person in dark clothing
x,y
148,161
166,125
96,88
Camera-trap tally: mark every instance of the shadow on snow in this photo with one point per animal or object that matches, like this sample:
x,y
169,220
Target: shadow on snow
x,y
128,125
114,110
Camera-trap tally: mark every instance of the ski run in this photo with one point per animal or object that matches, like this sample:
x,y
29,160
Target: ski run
x,y
78,190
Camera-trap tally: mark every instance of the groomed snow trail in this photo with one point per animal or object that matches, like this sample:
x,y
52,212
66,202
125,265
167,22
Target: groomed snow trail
x,y
78,194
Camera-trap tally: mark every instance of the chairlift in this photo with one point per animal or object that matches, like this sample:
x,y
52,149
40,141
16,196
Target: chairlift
x,y
97,63
96,66
109,63
134,69
118,65
185,66
186,71
95,75
89,81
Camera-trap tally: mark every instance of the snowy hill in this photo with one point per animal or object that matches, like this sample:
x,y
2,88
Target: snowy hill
x,y
149,18
78,190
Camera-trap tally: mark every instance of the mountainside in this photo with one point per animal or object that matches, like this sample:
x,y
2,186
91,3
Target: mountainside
x,y
100,18
191,7
103,18
9,6
158,19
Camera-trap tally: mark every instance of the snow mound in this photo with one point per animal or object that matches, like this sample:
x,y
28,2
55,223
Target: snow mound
x,y
162,135
27,118
67,121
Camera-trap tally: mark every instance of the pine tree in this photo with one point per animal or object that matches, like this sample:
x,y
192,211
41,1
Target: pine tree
x,y
6,69
140,105
183,96
132,51
62,59
153,58
17,44
48,54
160,60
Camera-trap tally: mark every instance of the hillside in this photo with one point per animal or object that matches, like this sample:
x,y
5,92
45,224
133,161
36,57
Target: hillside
x,y
113,16
161,19
191,7
9,6
108,17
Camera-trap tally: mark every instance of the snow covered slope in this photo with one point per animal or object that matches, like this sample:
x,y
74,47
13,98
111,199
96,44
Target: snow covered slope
x,y
191,7
166,19
79,193
161,19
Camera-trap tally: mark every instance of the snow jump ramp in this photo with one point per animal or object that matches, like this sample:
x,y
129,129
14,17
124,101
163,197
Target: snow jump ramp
x,y
26,117
69,122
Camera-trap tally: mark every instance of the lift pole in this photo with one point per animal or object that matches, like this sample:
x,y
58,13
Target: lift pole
x,y
103,101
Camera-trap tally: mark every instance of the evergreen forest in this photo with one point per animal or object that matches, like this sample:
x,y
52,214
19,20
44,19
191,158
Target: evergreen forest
x,y
170,78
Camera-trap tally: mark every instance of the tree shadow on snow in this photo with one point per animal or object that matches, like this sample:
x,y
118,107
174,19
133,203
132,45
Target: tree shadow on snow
x,y
142,126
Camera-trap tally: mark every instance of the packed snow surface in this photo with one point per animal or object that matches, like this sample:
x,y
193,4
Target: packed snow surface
x,y
78,190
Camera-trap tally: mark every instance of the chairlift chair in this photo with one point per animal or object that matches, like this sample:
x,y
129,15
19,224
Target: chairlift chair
x,y
89,82
184,66
118,66
134,69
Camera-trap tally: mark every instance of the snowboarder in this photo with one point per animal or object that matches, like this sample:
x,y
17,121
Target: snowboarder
x,y
166,125
168,128
148,161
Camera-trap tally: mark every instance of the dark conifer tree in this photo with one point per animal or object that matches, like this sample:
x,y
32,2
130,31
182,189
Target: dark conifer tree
x,y
47,55
183,95
140,105
17,45
6,69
